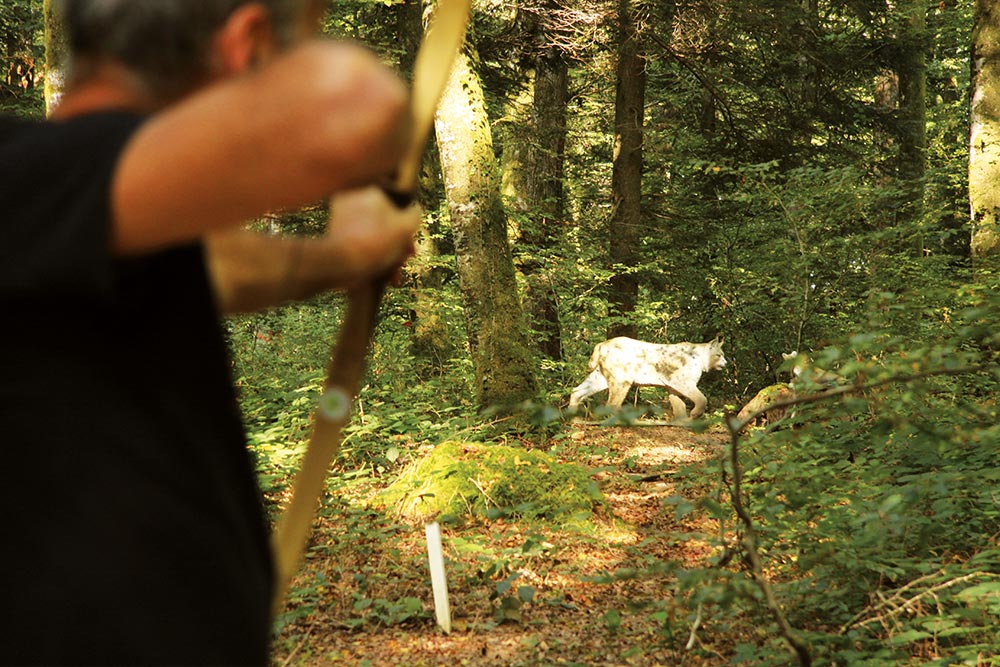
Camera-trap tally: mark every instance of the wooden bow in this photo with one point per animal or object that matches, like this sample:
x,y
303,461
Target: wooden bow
x,y
431,69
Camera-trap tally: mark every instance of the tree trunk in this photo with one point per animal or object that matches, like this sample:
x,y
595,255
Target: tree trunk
x,y
984,138
626,175
494,319
538,196
912,70
56,56
431,340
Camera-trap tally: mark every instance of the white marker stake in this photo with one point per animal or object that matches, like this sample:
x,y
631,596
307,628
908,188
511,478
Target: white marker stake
x,y
438,581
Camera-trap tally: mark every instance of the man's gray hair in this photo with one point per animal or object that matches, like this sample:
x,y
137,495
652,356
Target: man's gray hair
x,y
164,43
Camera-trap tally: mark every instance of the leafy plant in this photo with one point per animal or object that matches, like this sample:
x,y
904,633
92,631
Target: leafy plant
x,y
849,505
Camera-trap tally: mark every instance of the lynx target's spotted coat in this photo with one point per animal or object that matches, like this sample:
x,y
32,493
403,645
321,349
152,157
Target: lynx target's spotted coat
x,y
619,363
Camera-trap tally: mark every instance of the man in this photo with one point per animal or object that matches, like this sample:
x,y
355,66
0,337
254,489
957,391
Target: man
x,y
134,532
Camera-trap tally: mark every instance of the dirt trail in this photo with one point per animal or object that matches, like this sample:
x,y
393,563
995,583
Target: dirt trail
x,y
576,614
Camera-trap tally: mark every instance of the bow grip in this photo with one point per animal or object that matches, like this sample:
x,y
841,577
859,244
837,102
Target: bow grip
x,y
400,198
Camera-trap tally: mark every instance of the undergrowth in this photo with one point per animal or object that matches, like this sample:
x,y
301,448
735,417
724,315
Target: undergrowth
x,y
875,511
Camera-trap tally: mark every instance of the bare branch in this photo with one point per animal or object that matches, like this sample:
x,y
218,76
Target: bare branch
x,y
897,604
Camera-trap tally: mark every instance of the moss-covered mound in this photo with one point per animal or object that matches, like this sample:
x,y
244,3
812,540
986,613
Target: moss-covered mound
x,y
462,478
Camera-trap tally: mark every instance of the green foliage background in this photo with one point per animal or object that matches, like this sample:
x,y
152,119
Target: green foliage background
x,y
22,55
877,512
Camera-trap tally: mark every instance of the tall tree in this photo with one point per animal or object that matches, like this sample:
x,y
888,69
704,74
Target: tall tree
x,y
431,341
984,136
545,188
537,185
911,67
626,176
494,318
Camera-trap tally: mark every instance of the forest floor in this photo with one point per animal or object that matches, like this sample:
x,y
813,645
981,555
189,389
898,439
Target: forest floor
x,y
522,595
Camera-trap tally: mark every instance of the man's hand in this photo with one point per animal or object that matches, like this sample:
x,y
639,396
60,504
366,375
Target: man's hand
x,y
370,236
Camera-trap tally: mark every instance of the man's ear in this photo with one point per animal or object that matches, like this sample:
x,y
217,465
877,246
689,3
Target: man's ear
x,y
244,40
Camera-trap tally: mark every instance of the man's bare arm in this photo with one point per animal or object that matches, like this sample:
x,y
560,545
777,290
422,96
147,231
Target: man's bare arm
x,y
366,237
324,117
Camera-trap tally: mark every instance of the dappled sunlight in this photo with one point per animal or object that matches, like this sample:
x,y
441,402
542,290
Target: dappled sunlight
x,y
653,454
615,532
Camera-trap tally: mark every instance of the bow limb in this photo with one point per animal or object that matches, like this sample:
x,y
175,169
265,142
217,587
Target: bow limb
x,y
344,373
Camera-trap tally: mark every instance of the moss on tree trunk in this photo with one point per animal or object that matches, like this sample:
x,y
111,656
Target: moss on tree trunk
x,y
984,143
494,318
56,56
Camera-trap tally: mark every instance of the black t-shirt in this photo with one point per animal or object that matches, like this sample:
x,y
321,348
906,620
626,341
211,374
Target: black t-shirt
x,y
133,528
